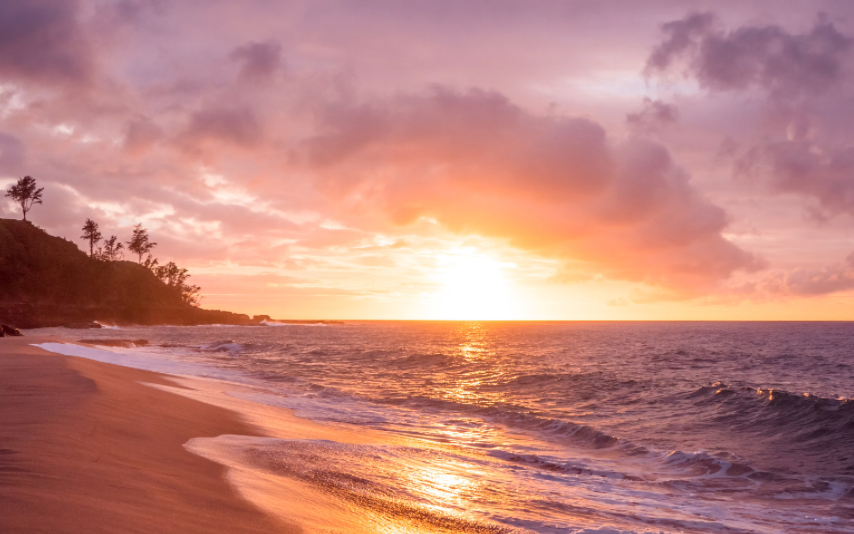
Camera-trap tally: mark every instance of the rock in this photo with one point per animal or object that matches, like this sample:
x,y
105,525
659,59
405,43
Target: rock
x,y
10,331
260,318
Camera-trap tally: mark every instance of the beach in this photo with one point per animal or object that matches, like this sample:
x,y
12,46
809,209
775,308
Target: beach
x,y
86,447
429,427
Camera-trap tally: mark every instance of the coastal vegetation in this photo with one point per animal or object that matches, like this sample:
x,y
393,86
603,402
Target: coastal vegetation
x,y
91,234
25,194
140,244
49,281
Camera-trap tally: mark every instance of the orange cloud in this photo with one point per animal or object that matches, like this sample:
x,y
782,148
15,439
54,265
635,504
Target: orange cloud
x,y
555,185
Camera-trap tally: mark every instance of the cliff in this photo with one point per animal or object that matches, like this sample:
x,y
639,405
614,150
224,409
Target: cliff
x,y
48,281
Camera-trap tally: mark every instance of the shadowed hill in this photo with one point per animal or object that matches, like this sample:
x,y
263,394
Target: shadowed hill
x,y
48,281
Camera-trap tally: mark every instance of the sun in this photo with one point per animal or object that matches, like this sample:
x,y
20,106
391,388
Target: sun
x,y
473,287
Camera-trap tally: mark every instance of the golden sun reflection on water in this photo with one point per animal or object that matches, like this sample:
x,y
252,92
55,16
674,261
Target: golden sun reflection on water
x,y
447,483
475,347
448,490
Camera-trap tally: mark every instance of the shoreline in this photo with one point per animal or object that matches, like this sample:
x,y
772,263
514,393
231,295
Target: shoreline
x,y
94,438
89,447
92,446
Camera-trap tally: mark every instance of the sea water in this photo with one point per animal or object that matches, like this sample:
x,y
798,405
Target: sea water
x,y
547,427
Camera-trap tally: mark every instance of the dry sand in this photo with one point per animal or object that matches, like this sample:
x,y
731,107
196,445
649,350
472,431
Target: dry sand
x,y
87,447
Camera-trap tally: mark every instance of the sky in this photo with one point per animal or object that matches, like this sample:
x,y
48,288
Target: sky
x,y
475,159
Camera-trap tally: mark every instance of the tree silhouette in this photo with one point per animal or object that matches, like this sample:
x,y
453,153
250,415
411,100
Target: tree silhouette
x,y
24,192
191,295
112,250
151,263
91,233
174,276
140,244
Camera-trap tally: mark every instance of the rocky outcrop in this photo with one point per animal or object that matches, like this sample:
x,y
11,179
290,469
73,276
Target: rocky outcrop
x,y
9,331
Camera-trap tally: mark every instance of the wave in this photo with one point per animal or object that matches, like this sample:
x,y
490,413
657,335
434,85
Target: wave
x,y
532,460
818,430
419,360
579,434
703,465
228,346
412,493
124,343
265,322
812,416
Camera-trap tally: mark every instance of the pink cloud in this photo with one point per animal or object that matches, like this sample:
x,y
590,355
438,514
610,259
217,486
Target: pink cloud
x,y
258,61
318,112
767,56
42,41
556,185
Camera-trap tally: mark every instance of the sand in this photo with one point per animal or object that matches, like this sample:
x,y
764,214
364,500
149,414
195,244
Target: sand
x,y
88,447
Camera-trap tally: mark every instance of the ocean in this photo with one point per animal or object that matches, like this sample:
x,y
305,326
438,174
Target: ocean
x,y
545,427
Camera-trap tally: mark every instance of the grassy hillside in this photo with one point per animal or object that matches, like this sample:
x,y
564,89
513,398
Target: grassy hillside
x,y
48,281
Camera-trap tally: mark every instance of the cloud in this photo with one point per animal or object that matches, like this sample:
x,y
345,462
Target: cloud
x,y
477,163
141,134
654,116
797,147
42,41
800,282
829,279
801,167
12,154
238,126
232,153
258,61
766,57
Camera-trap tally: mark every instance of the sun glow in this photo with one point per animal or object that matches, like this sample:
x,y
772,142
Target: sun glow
x,y
473,287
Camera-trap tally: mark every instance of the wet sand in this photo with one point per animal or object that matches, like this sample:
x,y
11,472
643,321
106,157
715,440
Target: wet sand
x,y
87,447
